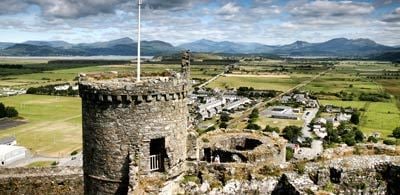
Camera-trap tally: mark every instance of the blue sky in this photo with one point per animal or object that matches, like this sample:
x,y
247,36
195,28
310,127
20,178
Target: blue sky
x,y
178,21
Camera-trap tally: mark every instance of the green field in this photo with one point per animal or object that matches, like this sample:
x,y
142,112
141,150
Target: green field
x,y
282,83
334,82
380,117
280,123
54,123
340,103
41,164
68,75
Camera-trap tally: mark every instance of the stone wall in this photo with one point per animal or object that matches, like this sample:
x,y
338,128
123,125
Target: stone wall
x,y
120,118
32,181
232,146
373,174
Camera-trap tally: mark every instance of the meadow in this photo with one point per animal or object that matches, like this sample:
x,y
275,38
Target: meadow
x,y
53,125
260,82
380,117
70,74
334,82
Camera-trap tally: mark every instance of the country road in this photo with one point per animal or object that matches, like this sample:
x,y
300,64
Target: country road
x,y
211,80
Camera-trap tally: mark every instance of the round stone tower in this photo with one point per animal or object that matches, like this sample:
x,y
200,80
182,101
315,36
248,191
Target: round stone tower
x,y
132,130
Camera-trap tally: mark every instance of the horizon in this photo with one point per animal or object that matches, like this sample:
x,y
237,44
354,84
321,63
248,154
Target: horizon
x,y
201,39
267,22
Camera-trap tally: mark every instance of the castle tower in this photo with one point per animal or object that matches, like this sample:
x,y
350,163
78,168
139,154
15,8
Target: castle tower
x,y
132,130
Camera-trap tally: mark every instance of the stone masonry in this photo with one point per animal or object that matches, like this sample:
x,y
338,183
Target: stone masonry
x,y
125,122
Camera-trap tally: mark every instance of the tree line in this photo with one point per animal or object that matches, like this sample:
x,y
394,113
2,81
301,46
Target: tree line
x,y
7,111
50,90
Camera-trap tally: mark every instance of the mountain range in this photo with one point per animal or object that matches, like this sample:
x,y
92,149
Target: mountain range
x,y
340,47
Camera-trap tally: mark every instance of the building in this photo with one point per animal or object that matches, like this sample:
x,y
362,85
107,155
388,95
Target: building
x,y
332,109
61,87
211,108
286,99
133,131
10,141
10,154
282,112
342,117
236,104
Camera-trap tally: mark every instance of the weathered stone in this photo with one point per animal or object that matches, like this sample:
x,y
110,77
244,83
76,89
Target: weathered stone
x,y
117,134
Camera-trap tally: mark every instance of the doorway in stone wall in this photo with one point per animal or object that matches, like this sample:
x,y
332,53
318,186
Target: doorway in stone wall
x,y
157,154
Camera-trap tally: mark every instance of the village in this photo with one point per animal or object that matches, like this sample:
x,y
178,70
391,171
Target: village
x,y
209,108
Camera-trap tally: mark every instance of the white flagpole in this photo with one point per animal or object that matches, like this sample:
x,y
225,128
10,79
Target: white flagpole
x,y
138,42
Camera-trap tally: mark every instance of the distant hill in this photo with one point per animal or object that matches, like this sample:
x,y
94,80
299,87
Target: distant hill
x,y
205,45
340,47
389,56
123,47
4,45
335,47
35,50
107,44
55,44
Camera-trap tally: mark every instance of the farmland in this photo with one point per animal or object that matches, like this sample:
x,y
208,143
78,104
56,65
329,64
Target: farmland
x,y
53,125
261,82
380,117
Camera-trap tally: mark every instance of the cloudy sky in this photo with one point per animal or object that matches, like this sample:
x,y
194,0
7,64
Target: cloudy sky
x,y
178,21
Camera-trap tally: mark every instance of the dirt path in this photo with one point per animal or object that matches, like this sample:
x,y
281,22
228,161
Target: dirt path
x,y
259,75
211,80
10,123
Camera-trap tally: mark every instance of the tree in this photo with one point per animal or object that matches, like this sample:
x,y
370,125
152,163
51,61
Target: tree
x,y
396,133
372,139
350,141
289,153
333,136
358,136
11,112
2,110
355,118
292,132
225,117
223,125
389,142
253,126
271,129
254,114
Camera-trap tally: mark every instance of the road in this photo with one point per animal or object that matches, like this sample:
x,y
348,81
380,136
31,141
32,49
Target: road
x,y
211,80
309,115
66,161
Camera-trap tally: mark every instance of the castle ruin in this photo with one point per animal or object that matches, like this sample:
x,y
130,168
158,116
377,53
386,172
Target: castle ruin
x,y
133,129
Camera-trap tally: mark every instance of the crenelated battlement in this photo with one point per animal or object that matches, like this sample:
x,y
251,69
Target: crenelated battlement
x,y
127,90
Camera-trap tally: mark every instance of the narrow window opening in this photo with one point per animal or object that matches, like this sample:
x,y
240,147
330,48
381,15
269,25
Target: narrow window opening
x,y
157,154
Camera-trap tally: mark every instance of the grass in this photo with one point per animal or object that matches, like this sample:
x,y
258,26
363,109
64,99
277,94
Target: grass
x,y
392,87
261,83
54,124
280,123
340,103
68,75
380,117
335,82
41,164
